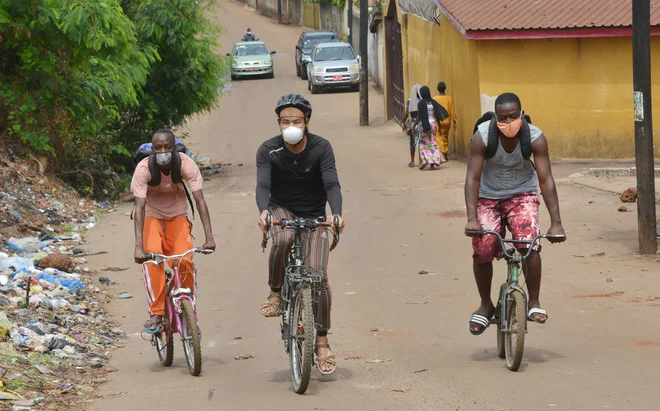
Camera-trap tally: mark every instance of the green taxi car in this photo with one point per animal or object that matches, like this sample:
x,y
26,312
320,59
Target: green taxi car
x,y
251,59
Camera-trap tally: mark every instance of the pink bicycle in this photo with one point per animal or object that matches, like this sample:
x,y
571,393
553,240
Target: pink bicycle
x,y
180,315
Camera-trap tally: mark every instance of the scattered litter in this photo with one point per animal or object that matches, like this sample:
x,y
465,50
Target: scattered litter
x,y
404,390
423,272
114,269
374,329
124,296
238,337
422,370
609,280
243,357
104,280
353,358
377,361
622,209
598,255
418,302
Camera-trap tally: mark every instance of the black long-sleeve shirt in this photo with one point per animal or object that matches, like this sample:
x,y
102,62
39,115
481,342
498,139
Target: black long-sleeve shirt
x,y
302,183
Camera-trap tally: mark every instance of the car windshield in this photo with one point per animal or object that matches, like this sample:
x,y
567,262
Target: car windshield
x,y
313,41
334,53
250,50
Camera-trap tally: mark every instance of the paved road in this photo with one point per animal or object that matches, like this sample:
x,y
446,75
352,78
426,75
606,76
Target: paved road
x,y
599,349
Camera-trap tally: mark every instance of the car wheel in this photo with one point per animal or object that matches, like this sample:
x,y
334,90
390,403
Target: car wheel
x,y
309,85
303,69
233,77
272,74
298,72
315,89
355,87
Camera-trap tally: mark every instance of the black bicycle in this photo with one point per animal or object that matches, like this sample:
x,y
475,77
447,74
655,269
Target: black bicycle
x,y
299,298
511,311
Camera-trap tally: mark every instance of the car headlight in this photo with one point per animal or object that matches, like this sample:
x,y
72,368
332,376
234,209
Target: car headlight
x,y
267,63
354,67
318,69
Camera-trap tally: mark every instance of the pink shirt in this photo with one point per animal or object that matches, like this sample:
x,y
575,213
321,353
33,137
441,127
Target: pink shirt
x,y
167,200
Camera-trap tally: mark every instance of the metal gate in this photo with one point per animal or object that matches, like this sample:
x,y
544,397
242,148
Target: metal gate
x,y
395,94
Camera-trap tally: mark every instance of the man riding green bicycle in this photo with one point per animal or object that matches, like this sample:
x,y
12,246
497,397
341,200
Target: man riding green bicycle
x,y
501,191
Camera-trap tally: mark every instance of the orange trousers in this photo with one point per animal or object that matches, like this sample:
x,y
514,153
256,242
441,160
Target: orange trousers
x,y
166,237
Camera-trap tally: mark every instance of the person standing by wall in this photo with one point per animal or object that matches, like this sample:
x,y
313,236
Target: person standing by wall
x,y
443,131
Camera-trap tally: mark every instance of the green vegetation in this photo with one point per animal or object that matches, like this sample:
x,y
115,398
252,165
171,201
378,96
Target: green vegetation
x,y
86,81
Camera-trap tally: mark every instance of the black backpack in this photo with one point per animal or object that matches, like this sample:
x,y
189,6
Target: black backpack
x,y
145,151
494,136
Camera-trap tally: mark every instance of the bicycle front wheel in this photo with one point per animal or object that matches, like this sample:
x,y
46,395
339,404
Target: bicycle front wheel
x,y
499,316
163,342
514,336
301,352
190,337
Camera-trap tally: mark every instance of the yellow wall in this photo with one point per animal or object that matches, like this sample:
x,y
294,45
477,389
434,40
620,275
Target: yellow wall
x,y
311,15
578,91
434,53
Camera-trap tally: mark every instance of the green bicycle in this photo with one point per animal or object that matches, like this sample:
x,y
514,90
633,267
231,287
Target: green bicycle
x,y
511,310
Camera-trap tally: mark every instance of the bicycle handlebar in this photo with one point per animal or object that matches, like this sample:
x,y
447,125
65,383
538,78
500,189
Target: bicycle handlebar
x,y
504,241
155,258
299,223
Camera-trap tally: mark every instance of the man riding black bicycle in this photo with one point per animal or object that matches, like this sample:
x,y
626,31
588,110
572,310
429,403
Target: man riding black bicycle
x,y
296,177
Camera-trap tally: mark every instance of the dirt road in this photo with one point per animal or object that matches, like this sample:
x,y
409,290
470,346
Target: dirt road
x,y
599,349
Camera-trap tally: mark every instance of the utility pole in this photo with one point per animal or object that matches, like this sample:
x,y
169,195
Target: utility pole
x,y
349,18
641,37
279,11
364,66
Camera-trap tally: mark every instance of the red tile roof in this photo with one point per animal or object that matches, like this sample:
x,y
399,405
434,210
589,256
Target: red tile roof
x,y
474,15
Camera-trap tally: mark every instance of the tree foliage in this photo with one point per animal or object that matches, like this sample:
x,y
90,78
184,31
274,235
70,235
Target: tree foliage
x,y
87,81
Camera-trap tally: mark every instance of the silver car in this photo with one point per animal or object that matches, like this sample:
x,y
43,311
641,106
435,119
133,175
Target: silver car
x,y
333,65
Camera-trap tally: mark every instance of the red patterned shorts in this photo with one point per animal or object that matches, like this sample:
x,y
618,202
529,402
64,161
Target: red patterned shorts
x,y
520,214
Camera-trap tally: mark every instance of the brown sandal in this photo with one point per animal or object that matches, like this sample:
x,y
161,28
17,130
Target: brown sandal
x,y
328,359
272,301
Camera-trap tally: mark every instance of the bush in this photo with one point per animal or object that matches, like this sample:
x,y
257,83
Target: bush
x,y
88,81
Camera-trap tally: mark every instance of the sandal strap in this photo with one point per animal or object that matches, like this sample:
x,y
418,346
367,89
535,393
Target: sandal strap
x,y
480,320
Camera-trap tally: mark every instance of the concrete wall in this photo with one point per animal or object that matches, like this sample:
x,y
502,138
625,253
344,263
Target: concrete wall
x,y
332,17
434,53
267,7
292,11
578,91
376,45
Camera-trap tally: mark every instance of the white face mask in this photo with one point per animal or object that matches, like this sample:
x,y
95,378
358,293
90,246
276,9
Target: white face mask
x,y
163,159
292,135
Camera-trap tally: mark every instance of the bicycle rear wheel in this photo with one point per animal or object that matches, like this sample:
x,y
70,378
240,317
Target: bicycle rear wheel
x,y
499,315
301,350
517,327
190,337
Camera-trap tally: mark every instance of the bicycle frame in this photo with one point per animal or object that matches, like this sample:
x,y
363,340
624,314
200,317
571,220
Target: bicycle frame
x,y
174,292
296,272
514,258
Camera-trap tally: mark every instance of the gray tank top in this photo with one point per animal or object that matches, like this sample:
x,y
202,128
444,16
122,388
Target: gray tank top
x,y
507,174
